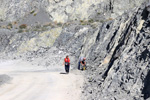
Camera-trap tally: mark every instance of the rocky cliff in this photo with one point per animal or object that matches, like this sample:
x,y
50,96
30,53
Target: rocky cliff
x,y
66,10
117,47
118,54
121,55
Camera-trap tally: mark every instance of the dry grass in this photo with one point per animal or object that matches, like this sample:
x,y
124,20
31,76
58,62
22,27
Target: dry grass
x,y
110,19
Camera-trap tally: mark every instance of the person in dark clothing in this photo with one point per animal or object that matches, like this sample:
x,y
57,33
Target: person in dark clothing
x,y
67,64
81,63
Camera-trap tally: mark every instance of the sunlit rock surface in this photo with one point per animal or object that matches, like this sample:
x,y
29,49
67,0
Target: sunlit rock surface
x,y
113,35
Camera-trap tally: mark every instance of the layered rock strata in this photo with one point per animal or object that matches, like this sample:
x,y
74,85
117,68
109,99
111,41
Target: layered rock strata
x,y
117,50
118,55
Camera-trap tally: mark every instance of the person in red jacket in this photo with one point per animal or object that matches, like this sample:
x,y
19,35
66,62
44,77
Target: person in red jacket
x,y
67,64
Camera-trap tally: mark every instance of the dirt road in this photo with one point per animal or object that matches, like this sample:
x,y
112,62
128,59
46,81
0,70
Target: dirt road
x,y
31,82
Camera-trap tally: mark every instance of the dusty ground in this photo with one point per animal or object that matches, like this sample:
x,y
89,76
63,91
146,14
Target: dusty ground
x,y
32,82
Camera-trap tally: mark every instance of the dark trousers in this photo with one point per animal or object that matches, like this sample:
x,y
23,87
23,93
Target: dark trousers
x,y
79,65
67,68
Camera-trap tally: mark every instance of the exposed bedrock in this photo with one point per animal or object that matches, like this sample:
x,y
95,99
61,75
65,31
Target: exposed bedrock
x,y
117,50
66,10
121,59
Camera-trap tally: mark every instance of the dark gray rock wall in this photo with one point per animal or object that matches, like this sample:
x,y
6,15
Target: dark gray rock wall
x,y
124,72
117,53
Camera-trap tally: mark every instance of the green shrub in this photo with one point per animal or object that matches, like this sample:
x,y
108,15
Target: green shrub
x,y
59,24
23,26
98,13
20,31
81,21
32,12
91,21
9,25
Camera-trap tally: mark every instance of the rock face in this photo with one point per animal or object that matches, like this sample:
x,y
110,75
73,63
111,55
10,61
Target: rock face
x,y
121,59
117,50
66,10
28,41
118,55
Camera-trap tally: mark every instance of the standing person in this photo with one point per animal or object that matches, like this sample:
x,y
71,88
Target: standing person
x,y
67,64
81,62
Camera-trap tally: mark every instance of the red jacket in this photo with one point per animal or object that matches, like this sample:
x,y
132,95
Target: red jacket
x,y
67,60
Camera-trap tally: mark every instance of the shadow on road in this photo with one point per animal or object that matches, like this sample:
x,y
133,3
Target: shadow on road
x,y
63,73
